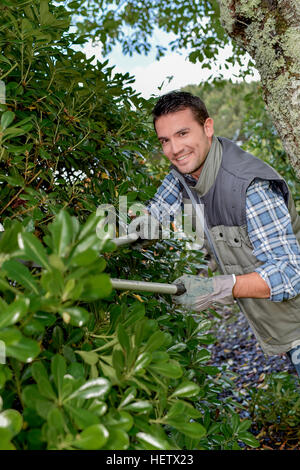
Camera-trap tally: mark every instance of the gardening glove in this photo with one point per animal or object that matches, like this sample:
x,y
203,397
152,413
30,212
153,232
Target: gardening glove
x,y
201,293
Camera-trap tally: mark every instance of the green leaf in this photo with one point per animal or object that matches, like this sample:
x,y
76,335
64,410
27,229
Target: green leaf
x,y
92,438
92,241
123,338
244,425
9,238
193,429
143,360
56,421
85,258
248,439
120,419
235,422
177,409
89,228
34,400
181,410
118,440
155,341
128,396
203,355
53,282
95,388
202,326
21,274
62,232
6,119
153,442
25,350
170,369
96,287
46,18
15,180
186,389
33,248
82,417
69,386
13,132
89,357
99,408
135,313
5,438
10,336
118,360
44,406
178,347
140,406
76,316
58,369
14,312
41,377
12,420
30,395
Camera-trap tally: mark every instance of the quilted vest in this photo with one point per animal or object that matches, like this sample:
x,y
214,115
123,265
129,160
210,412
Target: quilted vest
x,y
276,325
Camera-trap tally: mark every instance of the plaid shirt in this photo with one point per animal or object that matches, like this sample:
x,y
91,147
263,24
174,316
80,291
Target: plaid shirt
x,y
269,230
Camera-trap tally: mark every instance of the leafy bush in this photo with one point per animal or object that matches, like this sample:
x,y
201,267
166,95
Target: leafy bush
x,y
69,128
277,404
87,367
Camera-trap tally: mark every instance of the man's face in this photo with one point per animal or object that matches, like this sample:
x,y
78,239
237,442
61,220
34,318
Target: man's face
x,y
184,141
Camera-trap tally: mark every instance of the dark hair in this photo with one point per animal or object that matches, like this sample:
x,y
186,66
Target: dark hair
x,y
177,101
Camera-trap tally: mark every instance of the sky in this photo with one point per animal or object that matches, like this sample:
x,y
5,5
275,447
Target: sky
x,y
150,74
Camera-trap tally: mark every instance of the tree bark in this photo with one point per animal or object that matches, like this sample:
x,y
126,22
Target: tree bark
x,y
269,30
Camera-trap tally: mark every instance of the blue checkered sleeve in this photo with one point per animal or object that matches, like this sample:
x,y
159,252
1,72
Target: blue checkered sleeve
x,y
167,199
274,243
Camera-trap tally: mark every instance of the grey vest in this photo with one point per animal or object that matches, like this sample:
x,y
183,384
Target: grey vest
x,y
276,325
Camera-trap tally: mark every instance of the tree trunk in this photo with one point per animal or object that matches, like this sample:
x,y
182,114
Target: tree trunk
x,y
269,31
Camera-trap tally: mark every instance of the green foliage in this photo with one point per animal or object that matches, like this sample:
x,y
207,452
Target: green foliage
x,y
87,367
277,404
195,26
226,104
65,124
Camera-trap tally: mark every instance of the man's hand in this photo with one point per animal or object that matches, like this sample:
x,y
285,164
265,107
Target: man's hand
x,y
202,293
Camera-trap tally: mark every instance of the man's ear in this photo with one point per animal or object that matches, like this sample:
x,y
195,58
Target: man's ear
x,y
209,127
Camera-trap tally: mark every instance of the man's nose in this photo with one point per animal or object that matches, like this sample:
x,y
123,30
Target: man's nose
x,y
176,147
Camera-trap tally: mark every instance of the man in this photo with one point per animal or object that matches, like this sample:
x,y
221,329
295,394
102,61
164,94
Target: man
x,y
252,225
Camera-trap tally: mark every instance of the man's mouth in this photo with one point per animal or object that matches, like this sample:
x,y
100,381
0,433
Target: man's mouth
x,y
183,157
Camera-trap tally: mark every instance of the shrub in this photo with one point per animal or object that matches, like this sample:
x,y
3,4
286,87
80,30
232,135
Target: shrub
x,y
87,367
277,404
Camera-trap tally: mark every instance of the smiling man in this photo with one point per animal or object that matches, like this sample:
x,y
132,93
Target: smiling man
x,y
184,140
252,225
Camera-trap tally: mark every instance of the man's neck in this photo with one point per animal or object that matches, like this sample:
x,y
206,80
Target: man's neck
x,y
197,172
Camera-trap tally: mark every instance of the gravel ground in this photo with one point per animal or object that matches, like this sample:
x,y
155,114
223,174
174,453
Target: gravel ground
x,y
238,349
